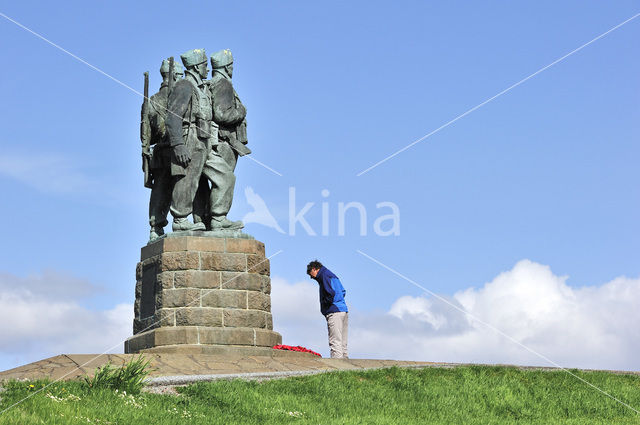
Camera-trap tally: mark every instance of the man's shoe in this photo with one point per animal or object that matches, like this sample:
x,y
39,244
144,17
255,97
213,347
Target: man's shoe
x,y
223,223
155,233
182,224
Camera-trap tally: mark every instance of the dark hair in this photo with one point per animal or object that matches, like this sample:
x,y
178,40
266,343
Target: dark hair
x,y
315,264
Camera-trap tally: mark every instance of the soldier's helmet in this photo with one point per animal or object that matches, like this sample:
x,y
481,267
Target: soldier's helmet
x,y
221,59
177,68
193,57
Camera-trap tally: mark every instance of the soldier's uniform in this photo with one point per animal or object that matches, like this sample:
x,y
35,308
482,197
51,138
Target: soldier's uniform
x,y
229,114
160,161
189,123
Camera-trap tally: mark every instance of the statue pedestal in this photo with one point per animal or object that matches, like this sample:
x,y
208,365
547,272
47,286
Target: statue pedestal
x,y
203,295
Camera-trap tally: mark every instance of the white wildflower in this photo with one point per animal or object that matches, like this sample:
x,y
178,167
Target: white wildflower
x,y
54,398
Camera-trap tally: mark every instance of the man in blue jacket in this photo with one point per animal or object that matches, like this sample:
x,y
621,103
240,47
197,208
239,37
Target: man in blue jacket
x,y
332,306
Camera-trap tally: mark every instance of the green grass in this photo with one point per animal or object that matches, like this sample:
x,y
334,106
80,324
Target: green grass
x,y
128,378
465,395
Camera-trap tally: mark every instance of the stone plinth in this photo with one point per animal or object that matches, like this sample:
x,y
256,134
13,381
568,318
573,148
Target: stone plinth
x,y
209,295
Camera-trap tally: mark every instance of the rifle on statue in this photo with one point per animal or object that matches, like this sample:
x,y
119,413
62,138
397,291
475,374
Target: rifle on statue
x,y
145,134
171,77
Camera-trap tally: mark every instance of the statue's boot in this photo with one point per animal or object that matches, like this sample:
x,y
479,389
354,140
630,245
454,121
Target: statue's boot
x,y
223,223
155,233
181,224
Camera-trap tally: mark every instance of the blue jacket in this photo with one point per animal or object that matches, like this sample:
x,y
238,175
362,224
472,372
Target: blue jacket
x,y
331,292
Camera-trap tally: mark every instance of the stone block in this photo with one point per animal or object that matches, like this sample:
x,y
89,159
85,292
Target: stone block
x,y
165,317
183,297
226,336
149,262
257,264
244,281
226,298
235,318
176,335
185,243
258,301
154,248
136,308
197,316
245,246
143,325
205,244
174,244
139,342
223,261
266,284
165,280
265,338
196,279
171,261
137,326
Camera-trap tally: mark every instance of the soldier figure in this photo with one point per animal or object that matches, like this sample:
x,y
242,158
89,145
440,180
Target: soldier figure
x,y
160,160
229,114
190,129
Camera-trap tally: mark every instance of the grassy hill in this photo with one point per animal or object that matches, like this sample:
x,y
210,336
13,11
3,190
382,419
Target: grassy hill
x,y
463,395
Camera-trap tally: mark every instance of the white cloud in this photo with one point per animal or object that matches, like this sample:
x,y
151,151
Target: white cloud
x,y
49,173
589,326
43,317
49,284
58,175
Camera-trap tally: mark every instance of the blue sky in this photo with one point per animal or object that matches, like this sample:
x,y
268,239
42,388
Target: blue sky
x,y
547,172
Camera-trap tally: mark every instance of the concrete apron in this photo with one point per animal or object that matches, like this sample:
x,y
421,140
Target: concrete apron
x,y
180,369
169,369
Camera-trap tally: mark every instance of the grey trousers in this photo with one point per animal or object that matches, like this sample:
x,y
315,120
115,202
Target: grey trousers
x,y
337,325
184,189
218,168
160,199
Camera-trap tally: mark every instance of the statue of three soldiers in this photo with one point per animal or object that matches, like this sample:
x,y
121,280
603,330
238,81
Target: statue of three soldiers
x,y
197,128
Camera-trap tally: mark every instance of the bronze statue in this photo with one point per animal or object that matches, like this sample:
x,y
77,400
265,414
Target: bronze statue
x,y
197,129
156,161
229,114
189,124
